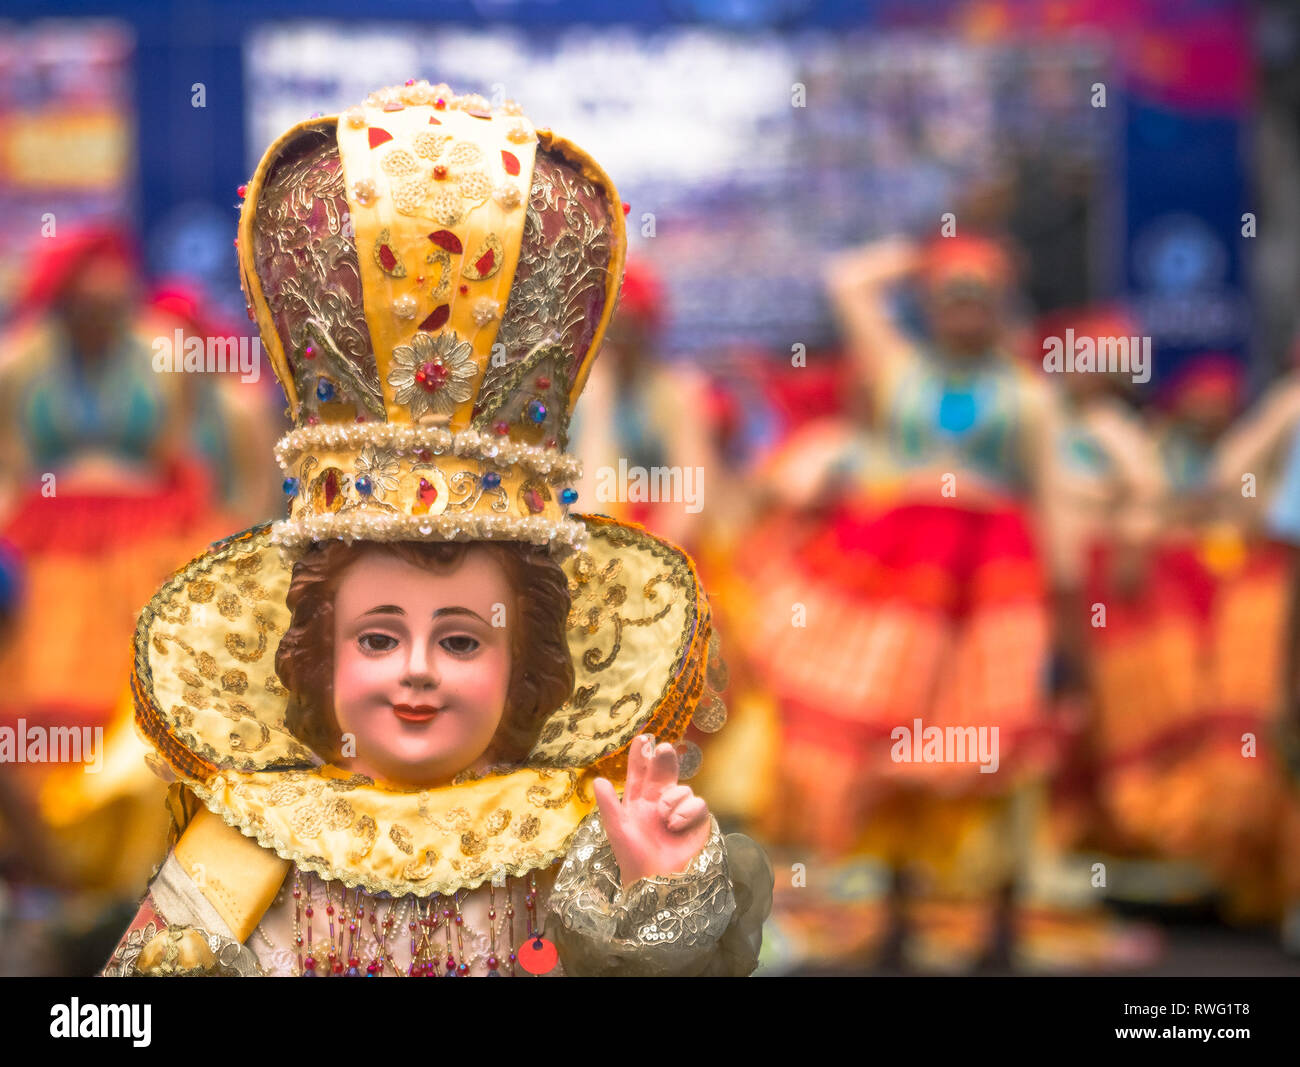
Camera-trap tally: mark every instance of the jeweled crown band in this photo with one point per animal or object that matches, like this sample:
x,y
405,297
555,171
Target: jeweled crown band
x,y
404,438
384,482
562,536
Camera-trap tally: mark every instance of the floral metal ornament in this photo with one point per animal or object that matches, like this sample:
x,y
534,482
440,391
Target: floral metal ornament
x,y
433,374
381,467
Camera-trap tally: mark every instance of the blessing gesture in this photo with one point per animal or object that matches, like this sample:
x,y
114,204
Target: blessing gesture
x,y
659,825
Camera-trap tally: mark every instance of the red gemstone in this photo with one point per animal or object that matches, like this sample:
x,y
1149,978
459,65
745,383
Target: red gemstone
x,y
501,427
538,956
331,491
434,120
483,265
424,455
410,81
437,318
309,963
511,162
378,136
543,382
464,289
626,207
440,104
386,257
535,504
440,171
241,191
432,375
448,240
338,966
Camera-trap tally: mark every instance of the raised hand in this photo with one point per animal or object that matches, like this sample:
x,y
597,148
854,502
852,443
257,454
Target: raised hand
x,y
659,825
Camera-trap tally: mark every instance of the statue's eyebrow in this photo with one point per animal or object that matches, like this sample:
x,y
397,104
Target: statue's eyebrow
x,y
393,609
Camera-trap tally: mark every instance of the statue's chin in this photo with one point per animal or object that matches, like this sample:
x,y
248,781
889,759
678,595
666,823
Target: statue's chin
x,y
407,776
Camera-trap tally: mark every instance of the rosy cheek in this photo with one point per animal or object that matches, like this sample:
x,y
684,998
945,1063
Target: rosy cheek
x,y
357,675
482,681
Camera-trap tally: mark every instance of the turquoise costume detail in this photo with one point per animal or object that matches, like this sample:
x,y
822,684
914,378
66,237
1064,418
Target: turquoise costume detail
x,y
937,409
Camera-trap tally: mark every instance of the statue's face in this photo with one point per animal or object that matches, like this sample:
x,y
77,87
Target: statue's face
x,y
420,671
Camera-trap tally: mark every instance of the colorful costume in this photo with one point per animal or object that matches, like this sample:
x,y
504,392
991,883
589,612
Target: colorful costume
x,y
1188,667
919,601
389,255
118,535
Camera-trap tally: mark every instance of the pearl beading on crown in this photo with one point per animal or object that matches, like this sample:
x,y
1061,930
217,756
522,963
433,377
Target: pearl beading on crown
x,y
560,467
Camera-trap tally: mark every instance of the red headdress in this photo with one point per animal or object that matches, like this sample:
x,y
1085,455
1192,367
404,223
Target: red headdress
x,y
962,261
642,297
57,260
1210,375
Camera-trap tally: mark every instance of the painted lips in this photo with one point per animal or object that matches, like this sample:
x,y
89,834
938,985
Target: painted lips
x,y
416,713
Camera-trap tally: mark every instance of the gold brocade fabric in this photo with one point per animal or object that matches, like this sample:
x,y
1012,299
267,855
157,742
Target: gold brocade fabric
x,y
346,828
213,710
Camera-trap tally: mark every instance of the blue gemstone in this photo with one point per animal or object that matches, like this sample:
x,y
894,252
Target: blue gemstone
x,y
494,973
325,389
310,972
353,972
491,480
291,487
537,411
568,496
364,485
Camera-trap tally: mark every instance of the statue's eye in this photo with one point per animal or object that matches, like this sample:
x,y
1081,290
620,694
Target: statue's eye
x,y
460,644
376,642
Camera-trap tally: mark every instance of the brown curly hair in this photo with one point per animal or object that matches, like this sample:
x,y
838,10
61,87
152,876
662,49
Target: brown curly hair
x,y
541,667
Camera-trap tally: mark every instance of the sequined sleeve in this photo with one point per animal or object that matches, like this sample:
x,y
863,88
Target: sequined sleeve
x,y
705,921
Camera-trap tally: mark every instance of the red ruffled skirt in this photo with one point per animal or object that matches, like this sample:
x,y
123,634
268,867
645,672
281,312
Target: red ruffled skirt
x,y
90,563
867,624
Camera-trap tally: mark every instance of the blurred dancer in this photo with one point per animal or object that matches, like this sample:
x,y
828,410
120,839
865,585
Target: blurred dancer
x,y
1189,665
918,600
1104,506
102,500
231,421
643,438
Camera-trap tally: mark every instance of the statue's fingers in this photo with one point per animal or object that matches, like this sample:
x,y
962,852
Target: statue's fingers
x,y
661,772
688,815
638,758
671,797
611,808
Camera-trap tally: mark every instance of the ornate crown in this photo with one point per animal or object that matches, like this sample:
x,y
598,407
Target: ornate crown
x,y
432,278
